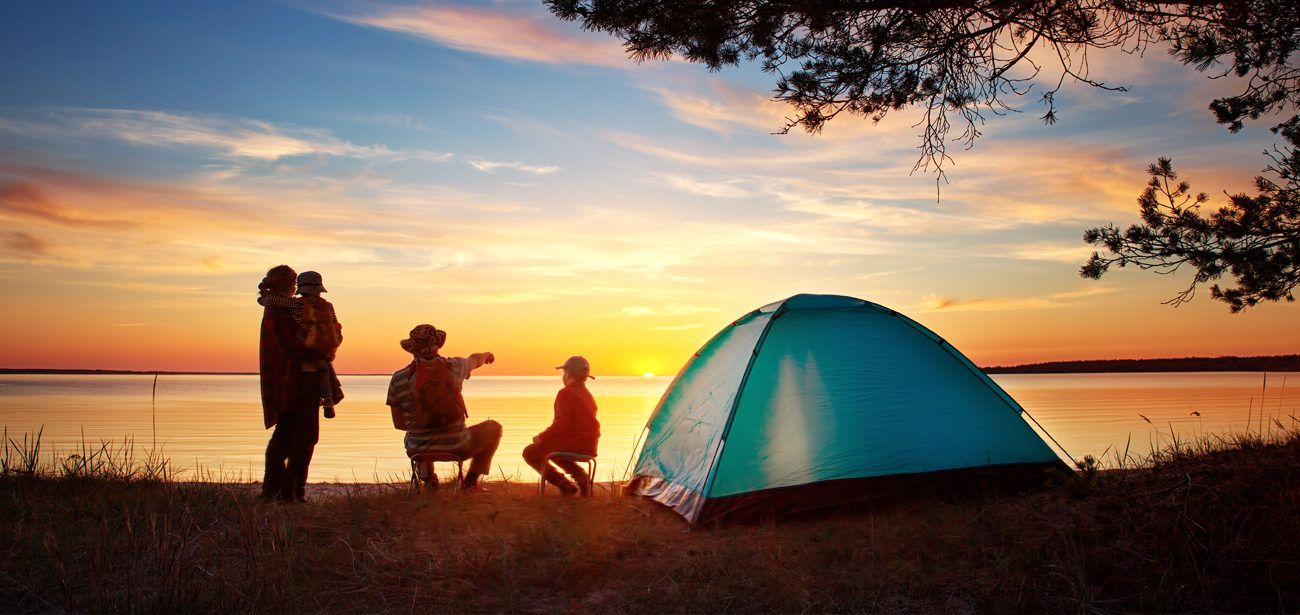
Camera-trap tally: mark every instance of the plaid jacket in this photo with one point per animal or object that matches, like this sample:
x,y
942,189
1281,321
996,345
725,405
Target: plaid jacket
x,y
280,359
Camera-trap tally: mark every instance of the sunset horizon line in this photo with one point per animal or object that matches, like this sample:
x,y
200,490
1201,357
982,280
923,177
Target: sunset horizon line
x,y
1074,362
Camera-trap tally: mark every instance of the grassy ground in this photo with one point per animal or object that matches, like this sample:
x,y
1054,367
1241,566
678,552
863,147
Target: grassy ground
x,y
1207,527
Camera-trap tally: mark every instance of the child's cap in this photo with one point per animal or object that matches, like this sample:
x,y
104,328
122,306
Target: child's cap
x,y
578,366
310,281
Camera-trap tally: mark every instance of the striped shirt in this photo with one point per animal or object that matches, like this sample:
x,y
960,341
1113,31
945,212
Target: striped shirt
x,y
401,395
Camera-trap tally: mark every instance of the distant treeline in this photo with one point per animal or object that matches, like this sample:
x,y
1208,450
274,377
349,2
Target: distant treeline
x,y
1280,363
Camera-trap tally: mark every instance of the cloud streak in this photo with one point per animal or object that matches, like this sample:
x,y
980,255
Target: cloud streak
x,y
488,31
937,303
679,327
672,309
491,167
551,293
26,200
1076,253
24,246
731,110
729,189
232,138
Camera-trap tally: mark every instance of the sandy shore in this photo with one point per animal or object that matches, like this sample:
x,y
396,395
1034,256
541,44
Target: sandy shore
x,y
329,491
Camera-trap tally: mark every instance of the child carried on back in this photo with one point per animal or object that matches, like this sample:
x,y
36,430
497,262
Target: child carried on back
x,y
318,328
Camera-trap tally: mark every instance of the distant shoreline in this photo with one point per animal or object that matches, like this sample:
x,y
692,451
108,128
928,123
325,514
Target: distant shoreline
x,y
1274,363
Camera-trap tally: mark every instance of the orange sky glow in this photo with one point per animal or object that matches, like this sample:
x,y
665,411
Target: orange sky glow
x,y
443,168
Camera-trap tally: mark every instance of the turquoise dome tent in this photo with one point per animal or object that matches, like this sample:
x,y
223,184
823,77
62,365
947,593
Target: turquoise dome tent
x,y
823,399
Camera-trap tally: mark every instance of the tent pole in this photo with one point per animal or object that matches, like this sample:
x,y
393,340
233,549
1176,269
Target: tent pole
x,y
735,403
635,447
1049,436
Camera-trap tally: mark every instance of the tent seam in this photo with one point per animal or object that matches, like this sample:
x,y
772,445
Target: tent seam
x,y
735,404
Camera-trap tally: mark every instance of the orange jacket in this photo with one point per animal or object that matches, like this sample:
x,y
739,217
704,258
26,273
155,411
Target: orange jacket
x,y
574,428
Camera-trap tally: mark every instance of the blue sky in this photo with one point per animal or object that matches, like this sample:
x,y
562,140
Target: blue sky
x,y
522,183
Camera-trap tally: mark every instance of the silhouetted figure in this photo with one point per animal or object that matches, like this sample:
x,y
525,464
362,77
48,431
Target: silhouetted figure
x,y
290,397
574,429
426,402
318,328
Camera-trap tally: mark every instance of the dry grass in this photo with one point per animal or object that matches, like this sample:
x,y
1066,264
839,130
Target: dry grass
x,y
1209,527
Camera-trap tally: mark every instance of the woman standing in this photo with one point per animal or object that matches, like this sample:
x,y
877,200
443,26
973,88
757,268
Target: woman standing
x,y
290,401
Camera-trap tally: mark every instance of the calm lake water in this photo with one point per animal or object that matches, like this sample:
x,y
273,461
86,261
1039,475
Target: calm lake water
x,y
211,426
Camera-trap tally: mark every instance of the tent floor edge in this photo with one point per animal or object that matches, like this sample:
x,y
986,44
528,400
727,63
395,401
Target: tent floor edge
x,y
848,495
680,499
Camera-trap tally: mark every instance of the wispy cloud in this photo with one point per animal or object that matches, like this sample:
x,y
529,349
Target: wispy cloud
x,y
725,109
724,189
221,225
1054,174
23,246
881,274
154,289
488,166
533,37
1087,292
549,293
80,220
936,303
675,309
896,219
1040,181
445,258
1047,251
728,109
678,327
26,200
221,136
508,298
882,167
627,246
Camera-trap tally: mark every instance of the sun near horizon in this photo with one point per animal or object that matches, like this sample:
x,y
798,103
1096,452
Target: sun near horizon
x,y
221,335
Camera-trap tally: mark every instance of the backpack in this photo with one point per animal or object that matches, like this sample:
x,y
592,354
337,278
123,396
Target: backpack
x,y
438,402
320,330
